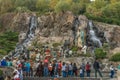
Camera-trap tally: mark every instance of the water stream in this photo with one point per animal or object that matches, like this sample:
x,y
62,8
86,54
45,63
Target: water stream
x,y
22,47
96,41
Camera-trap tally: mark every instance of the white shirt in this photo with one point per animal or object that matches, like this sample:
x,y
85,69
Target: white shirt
x,y
16,76
81,71
63,68
111,67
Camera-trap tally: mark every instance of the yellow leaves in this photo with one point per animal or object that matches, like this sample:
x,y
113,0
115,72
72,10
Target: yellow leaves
x,y
53,4
5,5
114,1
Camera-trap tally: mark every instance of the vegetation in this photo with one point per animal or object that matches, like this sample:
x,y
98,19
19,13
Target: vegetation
x,y
107,11
8,42
1,73
56,44
74,48
115,57
100,53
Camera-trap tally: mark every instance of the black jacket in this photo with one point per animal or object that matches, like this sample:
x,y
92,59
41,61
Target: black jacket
x,y
96,65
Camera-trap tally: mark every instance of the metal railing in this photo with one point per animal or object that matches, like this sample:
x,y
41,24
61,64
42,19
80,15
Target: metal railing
x,y
68,78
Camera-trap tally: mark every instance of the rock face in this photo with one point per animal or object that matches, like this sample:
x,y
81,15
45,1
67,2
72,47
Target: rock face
x,y
58,28
111,32
15,22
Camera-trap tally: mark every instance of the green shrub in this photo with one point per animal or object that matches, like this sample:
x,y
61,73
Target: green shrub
x,y
74,48
56,44
115,57
100,53
62,5
86,55
22,9
1,72
8,42
103,19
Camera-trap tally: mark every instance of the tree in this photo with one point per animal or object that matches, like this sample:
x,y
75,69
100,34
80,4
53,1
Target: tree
x,y
6,6
77,8
29,4
112,10
114,1
63,6
53,4
42,5
95,8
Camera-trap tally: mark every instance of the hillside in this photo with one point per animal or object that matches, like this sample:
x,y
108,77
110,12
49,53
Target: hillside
x,y
55,28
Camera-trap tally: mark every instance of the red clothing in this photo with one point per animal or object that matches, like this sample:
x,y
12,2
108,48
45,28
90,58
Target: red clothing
x,y
87,67
47,51
46,62
17,79
59,65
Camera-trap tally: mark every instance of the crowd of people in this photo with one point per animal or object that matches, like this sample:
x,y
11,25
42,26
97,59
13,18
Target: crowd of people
x,y
51,67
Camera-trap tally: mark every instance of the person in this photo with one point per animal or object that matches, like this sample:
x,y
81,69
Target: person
x,y
87,68
118,71
56,69
70,72
67,69
75,69
27,68
83,67
39,71
50,67
63,69
96,66
81,72
16,76
9,63
45,67
59,68
3,62
119,67
111,71
20,73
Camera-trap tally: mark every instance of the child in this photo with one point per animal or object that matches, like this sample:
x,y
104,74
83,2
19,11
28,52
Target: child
x,y
111,71
81,72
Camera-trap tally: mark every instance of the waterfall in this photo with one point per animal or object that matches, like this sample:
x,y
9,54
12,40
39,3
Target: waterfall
x,y
93,37
21,48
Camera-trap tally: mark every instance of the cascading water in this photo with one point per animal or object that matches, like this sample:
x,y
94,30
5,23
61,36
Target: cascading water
x,y
21,48
93,37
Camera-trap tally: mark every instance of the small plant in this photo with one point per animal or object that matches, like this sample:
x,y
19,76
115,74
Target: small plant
x,y
100,53
1,72
115,57
74,48
56,44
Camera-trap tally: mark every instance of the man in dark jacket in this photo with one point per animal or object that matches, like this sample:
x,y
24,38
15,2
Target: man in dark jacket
x,y
97,68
